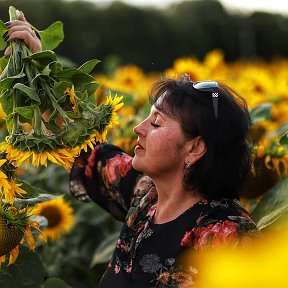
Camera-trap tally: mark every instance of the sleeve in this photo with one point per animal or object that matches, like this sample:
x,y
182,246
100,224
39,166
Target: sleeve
x,y
221,224
105,175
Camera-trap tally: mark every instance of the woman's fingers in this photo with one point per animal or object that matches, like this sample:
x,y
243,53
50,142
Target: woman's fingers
x,y
21,29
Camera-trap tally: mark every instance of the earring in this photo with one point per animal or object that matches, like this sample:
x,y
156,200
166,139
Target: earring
x,y
187,165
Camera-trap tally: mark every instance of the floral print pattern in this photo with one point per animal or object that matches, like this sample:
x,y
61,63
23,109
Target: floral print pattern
x,y
146,254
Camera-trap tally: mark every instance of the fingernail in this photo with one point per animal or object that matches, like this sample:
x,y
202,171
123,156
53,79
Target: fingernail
x,y
8,23
6,37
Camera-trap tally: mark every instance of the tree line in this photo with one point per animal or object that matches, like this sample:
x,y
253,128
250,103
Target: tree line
x,y
152,38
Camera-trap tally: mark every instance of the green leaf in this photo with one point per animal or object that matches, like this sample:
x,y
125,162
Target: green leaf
x,y
3,29
282,131
74,75
3,62
284,140
272,205
27,272
30,92
52,36
90,89
261,112
27,111
44,58
55,283
7,101
103,252
272,217
9,122
52,126
7,280
31,191
39,199
88,66
8,82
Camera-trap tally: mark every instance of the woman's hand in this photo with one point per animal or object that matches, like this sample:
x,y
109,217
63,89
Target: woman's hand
x,y
20,29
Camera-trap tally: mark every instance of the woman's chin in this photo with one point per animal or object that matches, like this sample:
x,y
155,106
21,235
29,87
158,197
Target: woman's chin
x,y
136,165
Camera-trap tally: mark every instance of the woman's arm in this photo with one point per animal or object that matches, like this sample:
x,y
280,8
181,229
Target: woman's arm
x,y
106,176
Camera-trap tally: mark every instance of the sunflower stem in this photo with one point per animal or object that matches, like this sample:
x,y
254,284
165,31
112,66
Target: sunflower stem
x,y
55,104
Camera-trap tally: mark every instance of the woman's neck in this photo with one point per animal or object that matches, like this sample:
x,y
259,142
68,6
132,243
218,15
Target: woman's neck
x,y
173,200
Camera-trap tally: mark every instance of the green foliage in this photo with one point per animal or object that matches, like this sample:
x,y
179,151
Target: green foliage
x,y
261,112
52,36
55,283
272,205
3,30
27,272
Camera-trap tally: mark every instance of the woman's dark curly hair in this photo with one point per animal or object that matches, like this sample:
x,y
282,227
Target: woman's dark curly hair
x,y
221,172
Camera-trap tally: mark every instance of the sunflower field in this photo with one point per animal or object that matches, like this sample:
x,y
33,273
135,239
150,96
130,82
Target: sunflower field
x,y
47,238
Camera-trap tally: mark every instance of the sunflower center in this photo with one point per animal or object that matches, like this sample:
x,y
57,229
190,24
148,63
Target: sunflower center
x,y
53,215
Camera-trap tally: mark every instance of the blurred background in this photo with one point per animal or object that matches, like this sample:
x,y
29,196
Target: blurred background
x,y
244,43
152,36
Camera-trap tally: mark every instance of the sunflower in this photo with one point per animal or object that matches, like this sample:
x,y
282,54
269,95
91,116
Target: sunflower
x,y
62,157
59,215
15,228
8,187
115,104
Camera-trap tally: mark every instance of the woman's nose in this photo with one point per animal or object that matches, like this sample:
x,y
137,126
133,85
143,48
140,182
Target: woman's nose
x,y
139,129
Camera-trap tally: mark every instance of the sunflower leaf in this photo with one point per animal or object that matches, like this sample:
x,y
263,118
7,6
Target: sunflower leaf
x,y
43,58
7,82
31,191
52,36
261,112
3,29
272,205
38,199
27,272
104,250
27,111
55,283
30,92
89,66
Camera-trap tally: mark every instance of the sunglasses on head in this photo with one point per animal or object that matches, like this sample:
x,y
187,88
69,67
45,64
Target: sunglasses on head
x,y
209,86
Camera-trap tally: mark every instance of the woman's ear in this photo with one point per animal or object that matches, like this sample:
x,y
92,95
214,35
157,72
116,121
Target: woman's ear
x,y
195,150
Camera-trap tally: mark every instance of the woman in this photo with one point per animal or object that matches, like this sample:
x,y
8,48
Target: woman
x,y
180,191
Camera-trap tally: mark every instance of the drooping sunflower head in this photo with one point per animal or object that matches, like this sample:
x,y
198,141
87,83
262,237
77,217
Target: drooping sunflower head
x,y
14,224
63,157
59,215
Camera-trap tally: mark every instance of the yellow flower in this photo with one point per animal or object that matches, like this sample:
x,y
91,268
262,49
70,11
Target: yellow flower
x,y
15,227
279,164
116,105
62,157
71,93
2,114
59,215
102,137
8,187
190,66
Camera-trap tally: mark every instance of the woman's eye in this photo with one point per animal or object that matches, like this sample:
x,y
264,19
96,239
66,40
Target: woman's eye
x,y
154,124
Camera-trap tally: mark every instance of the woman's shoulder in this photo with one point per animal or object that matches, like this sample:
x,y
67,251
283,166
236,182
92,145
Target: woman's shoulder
x,y
224,210
220,222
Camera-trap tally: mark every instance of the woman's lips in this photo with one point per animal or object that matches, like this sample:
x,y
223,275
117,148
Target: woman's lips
x,y
138,146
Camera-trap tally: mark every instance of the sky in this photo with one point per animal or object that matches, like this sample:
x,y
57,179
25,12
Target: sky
x,y
273,6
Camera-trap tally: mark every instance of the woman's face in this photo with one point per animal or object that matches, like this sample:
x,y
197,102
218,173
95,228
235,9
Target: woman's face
x,y
160,145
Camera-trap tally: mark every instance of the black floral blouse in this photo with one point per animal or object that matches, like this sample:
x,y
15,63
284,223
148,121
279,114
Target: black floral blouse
x,y
147,254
